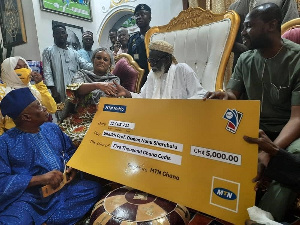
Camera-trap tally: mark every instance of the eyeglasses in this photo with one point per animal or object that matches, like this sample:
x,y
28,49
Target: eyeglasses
x,y
154,61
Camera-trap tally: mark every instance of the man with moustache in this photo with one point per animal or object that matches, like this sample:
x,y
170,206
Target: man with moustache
x,y
167,78
136,43
34,154
269,72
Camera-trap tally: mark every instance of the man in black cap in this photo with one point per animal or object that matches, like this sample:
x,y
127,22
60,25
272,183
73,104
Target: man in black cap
x,y
136,43
33,155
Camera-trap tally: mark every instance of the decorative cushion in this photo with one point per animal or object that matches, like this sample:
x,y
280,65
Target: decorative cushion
x,y
293,35
127,74
126,205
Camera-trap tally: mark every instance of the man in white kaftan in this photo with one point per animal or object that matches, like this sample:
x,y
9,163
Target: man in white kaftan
x,y
167,78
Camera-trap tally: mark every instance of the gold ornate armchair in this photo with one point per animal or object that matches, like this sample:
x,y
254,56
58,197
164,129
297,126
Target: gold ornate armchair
x,y
295,23
291,30
129,72
201,39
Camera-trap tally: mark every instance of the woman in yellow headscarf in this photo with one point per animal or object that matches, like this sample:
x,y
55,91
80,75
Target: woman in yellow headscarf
x,y
16,73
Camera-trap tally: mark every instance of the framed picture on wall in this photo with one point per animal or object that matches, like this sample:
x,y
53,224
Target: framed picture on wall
x,y
74,35
75,8
12,23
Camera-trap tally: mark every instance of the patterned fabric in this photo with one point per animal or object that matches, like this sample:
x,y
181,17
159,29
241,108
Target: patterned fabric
x,y
7,123
78,122
87,55
12,81
130,206
162,46
24,155
60,65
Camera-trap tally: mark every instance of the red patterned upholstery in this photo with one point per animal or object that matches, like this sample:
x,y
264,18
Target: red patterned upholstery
x,y
127,74
293,35
126,205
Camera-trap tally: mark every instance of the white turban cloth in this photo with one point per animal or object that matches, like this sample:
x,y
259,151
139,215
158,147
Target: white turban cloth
x,y
11,79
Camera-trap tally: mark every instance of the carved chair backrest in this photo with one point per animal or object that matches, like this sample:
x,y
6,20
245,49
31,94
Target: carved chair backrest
x,y
129,72
201,39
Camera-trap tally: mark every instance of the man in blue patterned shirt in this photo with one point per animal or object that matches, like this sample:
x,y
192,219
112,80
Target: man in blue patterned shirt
x,y
32,155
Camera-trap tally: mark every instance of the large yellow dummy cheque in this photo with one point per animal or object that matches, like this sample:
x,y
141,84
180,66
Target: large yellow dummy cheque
x,y
188,151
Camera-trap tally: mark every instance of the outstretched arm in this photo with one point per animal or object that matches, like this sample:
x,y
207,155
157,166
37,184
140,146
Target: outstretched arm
x,y
47,100
107,88
121,91
223,95
264,143
291,131
276,163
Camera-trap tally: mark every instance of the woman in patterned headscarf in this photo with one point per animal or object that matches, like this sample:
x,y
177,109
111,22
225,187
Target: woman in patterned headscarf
x,y
15,74
85,92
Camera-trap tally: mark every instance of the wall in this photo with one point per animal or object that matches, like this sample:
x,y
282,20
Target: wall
x,y
38,23
162,13
44,19
29,50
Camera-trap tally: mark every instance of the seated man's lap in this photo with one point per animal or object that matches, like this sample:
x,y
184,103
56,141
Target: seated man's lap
x,y
16,214
83,190
81,195
278,199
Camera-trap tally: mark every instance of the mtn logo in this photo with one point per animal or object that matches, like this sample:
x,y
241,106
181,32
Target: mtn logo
x,y
224,193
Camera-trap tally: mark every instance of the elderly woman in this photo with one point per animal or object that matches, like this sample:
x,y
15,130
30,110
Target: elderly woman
x,y
15,74
85,92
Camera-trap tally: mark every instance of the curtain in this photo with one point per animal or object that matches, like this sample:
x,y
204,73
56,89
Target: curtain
x,y
219,6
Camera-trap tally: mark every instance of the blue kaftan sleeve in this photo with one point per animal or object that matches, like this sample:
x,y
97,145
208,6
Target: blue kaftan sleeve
x,y
68,148
12,186
83,64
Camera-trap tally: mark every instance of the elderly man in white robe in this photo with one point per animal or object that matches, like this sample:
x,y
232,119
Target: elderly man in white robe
x,y
167,78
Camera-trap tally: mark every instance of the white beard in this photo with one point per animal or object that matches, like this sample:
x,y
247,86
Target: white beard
x,y
158,74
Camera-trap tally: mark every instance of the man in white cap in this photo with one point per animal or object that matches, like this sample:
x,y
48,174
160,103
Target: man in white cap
x,y
87,41
167,78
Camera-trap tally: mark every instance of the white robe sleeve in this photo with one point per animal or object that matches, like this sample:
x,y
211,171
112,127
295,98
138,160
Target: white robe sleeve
x,y
188,82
